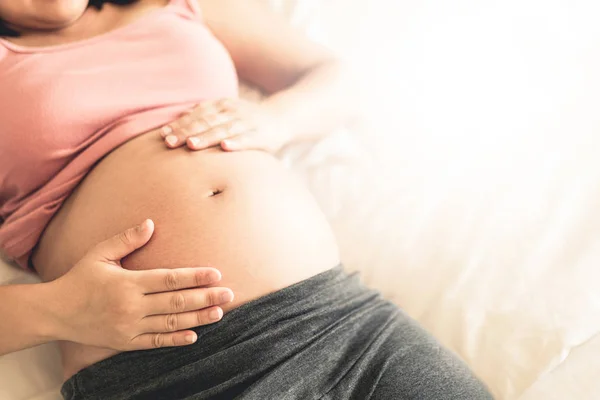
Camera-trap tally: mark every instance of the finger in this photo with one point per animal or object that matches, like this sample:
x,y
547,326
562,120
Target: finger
x,y
183,120
176,138
168,129
175,132
211,138
227,104
191,125
176,322
187,300
179,137
241,142
172,134
218,118
196,128
158,340
126,242
207,107
167,280
216,135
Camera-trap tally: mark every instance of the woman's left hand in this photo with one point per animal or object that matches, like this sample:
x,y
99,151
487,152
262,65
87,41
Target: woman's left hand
x,y
232,124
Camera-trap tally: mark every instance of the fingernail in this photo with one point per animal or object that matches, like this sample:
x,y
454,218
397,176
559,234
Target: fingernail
x,y
191,338
140,227
226,297
171,139
228,144
215,314
215,276
166,130
194,141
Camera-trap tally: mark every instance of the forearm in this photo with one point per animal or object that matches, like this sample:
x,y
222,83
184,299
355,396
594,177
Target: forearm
x,y
321,100
26,316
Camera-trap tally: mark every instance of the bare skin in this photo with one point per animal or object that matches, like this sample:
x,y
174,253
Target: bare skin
x,y
111,306
244,214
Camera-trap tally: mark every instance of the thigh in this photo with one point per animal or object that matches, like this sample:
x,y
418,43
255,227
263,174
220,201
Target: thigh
x,y
427,372
405,362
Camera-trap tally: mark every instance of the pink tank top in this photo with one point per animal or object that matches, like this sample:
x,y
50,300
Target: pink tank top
x,y
63,108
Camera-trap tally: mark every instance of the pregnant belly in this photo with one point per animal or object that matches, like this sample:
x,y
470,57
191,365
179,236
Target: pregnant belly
x,y
240,212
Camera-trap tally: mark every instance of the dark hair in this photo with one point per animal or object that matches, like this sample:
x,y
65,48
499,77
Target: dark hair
x,y
6,31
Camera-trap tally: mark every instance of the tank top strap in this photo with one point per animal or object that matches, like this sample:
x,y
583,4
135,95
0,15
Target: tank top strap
x,y
190,6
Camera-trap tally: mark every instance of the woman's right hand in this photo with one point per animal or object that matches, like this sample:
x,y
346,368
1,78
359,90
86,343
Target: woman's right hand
x,y
104,305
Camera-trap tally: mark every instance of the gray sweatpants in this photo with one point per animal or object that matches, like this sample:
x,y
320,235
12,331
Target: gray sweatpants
x,y
328,337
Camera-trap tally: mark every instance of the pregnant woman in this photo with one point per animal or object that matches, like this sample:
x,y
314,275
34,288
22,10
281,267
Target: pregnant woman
x,y
112,112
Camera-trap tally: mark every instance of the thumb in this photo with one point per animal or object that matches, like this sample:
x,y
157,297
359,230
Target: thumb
x,y
126,242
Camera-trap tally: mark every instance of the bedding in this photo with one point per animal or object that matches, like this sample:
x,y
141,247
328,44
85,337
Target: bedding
x,y
472,199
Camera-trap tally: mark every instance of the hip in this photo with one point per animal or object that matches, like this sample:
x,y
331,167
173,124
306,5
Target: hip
x,y
298,334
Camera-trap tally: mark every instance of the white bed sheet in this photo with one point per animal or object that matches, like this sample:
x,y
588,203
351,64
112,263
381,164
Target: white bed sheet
x,y
480,219
576,378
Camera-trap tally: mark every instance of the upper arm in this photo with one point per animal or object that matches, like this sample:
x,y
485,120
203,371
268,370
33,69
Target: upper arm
x,y
266,50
